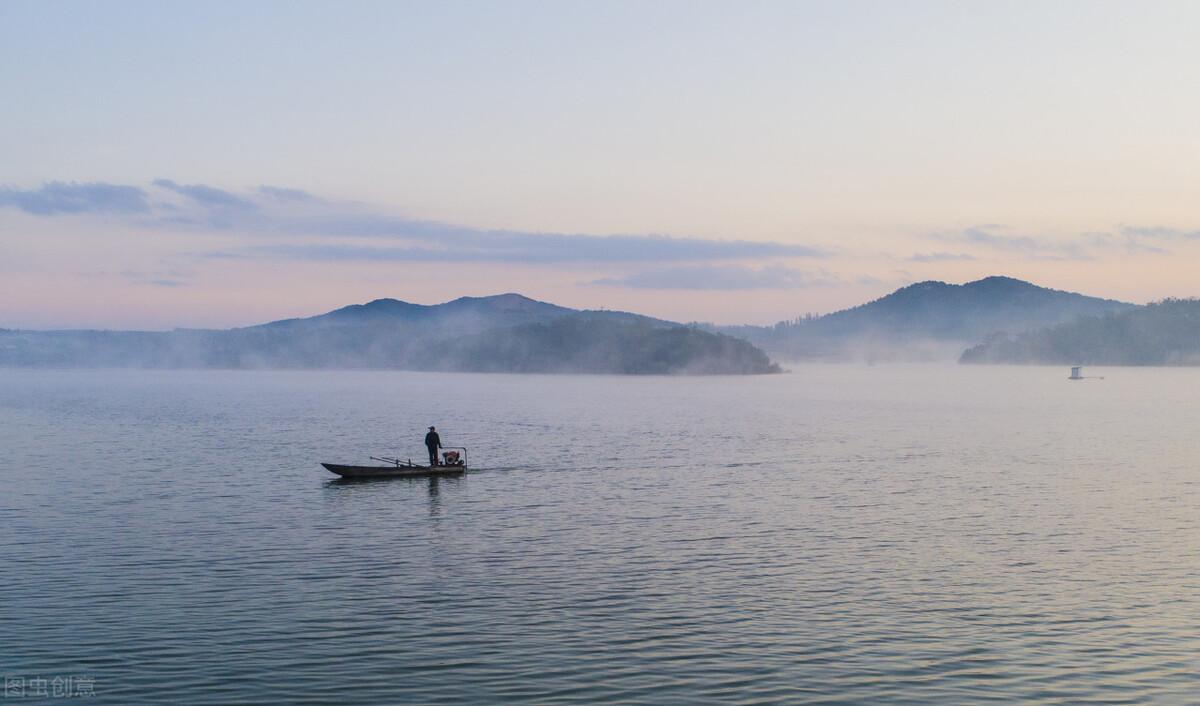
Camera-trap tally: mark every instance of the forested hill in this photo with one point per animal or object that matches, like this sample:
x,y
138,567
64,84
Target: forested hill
x,y
595,343
927,320
1164,333
503,333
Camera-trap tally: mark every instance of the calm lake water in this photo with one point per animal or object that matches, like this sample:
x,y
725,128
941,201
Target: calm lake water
x,y
923,535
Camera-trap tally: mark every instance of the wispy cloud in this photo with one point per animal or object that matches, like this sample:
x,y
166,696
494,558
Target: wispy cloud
x,y
941,257
721,277
435,240
207,196
169,279
1159,233
205,207
291,215
1030,247
281,193
1130,243
528,248
1080,247
58,197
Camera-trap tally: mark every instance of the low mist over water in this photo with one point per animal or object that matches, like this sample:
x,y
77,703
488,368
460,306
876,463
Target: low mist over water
x,y
916,534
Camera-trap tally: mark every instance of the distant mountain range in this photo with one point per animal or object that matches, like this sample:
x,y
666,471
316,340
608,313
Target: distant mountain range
x,y
1163,333
924,321
503,333
996,319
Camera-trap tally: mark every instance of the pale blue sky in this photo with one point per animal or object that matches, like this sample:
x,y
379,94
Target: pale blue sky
x,y
848,148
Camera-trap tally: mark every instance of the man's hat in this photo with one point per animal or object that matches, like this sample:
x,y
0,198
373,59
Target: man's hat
x,y
430,428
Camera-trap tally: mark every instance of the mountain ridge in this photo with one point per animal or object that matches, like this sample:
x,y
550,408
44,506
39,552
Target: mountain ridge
x,y
389,308
928,320
499,333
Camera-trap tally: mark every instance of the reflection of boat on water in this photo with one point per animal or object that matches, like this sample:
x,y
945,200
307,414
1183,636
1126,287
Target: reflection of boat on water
x,y
455,464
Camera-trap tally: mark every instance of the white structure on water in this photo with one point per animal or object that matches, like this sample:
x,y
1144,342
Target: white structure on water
x,y
1075,373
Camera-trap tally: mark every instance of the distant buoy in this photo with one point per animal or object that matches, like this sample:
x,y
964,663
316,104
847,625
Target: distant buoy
x,y
1077,374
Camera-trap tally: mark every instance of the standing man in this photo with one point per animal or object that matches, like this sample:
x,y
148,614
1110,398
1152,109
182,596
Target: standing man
x,y
433,442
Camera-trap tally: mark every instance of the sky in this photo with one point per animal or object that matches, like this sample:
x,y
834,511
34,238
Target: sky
x,y
214,164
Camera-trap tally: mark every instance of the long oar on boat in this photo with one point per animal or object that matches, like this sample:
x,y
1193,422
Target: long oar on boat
x,y
393,461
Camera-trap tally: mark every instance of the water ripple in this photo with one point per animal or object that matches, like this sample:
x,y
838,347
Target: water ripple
x,y
836,536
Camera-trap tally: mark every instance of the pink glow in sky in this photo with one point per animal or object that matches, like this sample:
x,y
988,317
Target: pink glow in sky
x,y
736,162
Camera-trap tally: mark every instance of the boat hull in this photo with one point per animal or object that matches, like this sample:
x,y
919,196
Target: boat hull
x,y
394,471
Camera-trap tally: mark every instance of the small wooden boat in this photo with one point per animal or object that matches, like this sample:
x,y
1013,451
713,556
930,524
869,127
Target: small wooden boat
x,y
402,469
413,471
